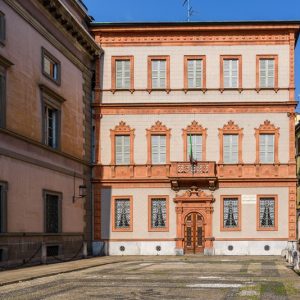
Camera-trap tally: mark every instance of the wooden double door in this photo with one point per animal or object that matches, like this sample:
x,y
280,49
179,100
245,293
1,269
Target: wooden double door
x,y
194,233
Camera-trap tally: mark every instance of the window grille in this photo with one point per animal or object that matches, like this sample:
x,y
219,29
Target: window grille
x,y
230,212
122,213
158,213
267,212
52,213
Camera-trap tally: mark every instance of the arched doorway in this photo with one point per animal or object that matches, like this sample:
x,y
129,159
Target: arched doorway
x,y
194,233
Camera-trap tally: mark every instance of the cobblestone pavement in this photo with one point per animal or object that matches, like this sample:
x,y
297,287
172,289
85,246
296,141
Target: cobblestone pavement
x,y
185,277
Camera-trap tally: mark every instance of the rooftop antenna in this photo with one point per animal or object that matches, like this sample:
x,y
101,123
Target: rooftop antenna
x,y
190,10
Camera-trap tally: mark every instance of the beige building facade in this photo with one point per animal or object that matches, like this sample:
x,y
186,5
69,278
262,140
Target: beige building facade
x,y
46,63
195,135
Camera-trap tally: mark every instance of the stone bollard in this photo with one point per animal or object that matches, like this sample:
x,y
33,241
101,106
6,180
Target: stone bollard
x,y
84,250
44,253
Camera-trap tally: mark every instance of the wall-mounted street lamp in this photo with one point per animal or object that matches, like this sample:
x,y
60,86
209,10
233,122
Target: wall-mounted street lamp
x,y
82,192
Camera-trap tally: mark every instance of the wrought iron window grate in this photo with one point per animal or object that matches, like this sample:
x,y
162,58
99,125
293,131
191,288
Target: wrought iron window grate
x,y
158,213
267,212
122,213
230,212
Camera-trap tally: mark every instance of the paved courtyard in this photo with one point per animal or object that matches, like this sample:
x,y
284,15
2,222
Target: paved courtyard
x,y
186,277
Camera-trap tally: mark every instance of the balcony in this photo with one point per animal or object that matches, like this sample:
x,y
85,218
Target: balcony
x,y
185,172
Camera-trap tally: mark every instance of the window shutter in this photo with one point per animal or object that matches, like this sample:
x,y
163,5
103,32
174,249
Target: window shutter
x,y
158,74
126,74
230,70
126,156
266,148
195,73
122,148
158,145
271,73
230,148
154,145
226,73
234,73
123,74
162,149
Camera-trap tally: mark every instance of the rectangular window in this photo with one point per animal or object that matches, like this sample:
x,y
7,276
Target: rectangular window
x,y
50,66
51,116
231,73
122,149
196,140
230,148
2,96
230,212
195,73
267,212
122,211
158,213
52,212
122,74
2,28
158,74
158,147
267,73
266,148
3,206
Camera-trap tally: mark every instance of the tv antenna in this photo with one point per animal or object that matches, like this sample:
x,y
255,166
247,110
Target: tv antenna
x,y
190,10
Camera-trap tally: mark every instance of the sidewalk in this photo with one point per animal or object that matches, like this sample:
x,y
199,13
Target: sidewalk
x,y
24,274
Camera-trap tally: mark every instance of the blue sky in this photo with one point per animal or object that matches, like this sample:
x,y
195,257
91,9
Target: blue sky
x,y
205,10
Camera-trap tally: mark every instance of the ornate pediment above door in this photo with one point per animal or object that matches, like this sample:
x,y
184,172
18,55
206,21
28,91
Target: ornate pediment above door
x,y
195,194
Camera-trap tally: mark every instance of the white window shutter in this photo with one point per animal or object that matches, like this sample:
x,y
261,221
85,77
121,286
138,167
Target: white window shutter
x,y
123,74
158,147
158,74
230,148
122,149
266,148
230,73
194,73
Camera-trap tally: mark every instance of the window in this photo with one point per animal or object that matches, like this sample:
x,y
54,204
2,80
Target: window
x,y
267,71
51,126
51,108
159,72
50,66
267,140
158,141
122,137
52,211
231,213
194,143
267,212
158,213
194,73
2,96
122,213
231,68
230,150
231,144
3,206
266,148
122,149
158,146
2,28
122,73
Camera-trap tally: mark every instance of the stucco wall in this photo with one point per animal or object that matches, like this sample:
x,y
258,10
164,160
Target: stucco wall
x,y
23,102
212,53
140,213
177,122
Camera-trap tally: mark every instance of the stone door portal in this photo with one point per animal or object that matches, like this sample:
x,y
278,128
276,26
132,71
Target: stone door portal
x,y
194,233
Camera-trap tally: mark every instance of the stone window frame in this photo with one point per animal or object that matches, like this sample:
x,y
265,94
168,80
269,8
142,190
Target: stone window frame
x,y
240,72
114,60
267,56
185,75
46,53
121,129
4,65
234,129
158,129
194,129
60,199
4,192
2,28
149,81
113,218
267,128
258,227
153,229
239,227
53,100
